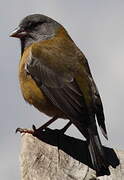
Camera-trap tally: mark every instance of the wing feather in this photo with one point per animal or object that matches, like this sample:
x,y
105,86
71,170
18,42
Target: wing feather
x,y
64,92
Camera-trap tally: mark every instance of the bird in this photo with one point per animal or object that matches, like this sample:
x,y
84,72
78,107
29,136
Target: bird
x,y
55,78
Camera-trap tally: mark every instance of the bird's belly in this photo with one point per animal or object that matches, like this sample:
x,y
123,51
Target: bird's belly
x,y
33,95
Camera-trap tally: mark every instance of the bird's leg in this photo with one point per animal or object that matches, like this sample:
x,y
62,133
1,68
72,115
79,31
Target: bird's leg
x,y
43,127
64,129
33,130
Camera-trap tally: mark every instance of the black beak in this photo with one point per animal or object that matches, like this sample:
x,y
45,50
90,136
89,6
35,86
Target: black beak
x,y
18,33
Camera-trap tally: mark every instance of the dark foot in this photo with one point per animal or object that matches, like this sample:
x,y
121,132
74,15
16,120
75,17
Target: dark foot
x,y
35,131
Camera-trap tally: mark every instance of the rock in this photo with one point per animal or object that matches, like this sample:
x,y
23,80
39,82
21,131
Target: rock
x,y
54,156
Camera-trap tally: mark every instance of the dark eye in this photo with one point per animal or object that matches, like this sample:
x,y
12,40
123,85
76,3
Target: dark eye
x,y
33,24
30,24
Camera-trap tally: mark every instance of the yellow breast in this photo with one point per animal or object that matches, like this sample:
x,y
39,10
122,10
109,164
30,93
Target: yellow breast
x,y
31,92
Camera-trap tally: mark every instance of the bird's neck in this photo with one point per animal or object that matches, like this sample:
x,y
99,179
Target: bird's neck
x,y
26,42
63,33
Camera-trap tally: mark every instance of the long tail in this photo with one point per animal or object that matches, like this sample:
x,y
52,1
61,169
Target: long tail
x,y
97,154
96,151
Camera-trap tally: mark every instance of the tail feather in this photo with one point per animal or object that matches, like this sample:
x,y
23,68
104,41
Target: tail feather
x,y
101,118
97,154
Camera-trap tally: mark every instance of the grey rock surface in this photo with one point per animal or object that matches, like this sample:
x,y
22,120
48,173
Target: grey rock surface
x,y
53,156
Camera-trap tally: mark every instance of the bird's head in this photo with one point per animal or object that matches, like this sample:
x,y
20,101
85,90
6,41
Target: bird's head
x,y
34,28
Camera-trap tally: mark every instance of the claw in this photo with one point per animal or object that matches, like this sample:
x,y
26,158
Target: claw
x,y
34,127
21,130
18,130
